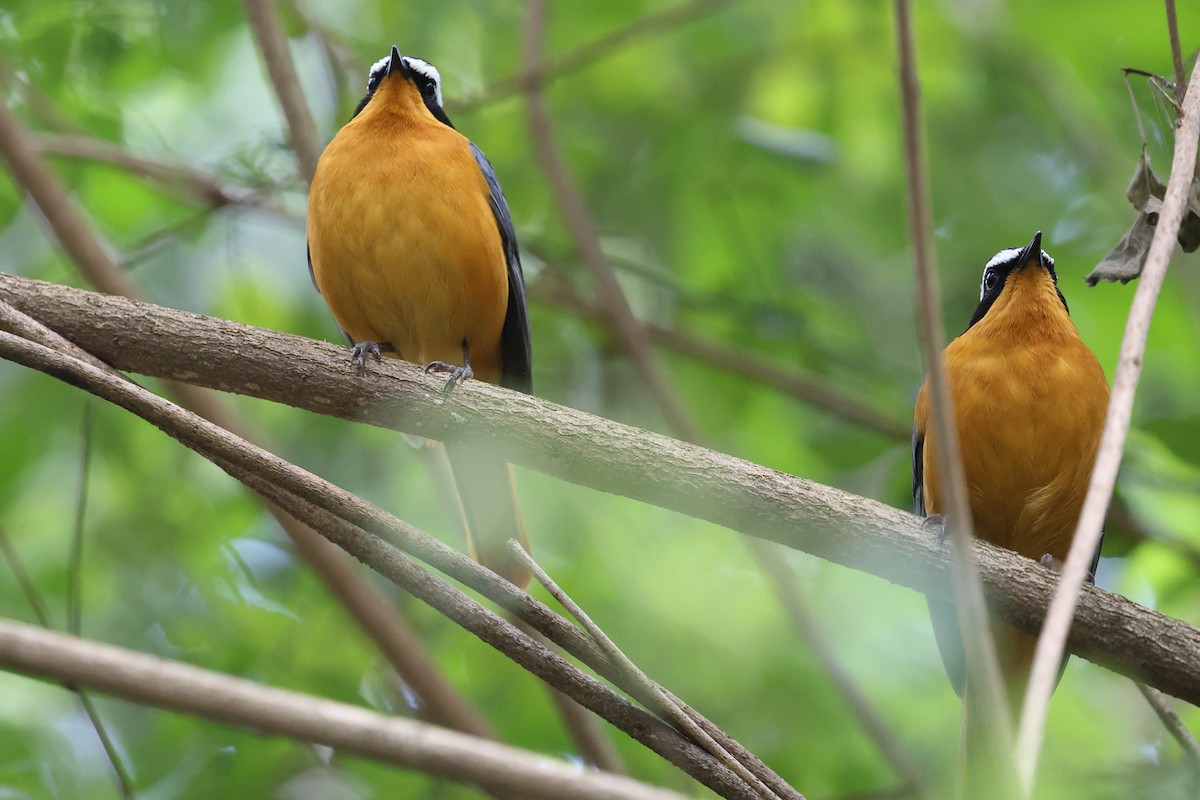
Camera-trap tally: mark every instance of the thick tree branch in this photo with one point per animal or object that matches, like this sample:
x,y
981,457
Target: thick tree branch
x,y
235,701
841,527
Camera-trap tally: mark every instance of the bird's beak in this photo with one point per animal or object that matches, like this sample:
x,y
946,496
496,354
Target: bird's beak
x,y
1032,251
397,62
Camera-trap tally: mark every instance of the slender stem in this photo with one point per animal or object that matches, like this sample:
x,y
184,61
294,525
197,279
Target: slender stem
x,y
1052,641
235,701
983,672
584,728
38,604
273,44
583,231
1176,51
809,631
1161,705
666,706
533,76
75,557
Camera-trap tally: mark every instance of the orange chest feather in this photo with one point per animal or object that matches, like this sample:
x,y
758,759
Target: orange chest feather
x,y
1029,417
404,246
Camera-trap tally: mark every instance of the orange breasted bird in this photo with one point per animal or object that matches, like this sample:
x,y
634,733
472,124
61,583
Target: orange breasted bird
x,y
1029,401
411,244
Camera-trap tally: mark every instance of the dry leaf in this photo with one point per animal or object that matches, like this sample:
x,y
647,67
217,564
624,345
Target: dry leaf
x,y
1189,229
1144,184
1126,260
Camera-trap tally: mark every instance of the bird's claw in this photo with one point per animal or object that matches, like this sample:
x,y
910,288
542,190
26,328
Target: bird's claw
x,y
360,351
457,374
1051,563
938,521
1054,565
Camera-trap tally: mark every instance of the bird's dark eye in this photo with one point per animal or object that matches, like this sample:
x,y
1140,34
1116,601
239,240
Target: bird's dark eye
x,y
429,90
989,280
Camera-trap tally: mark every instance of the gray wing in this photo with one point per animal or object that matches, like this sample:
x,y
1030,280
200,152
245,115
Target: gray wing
x,y
514,338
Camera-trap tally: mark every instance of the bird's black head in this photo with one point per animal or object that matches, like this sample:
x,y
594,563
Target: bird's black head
x,y
423,75
1004,264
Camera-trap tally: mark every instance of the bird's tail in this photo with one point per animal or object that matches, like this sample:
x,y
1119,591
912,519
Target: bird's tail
x,y
490,511
986,769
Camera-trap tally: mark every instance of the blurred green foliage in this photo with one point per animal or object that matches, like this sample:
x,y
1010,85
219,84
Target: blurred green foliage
x,y
746,175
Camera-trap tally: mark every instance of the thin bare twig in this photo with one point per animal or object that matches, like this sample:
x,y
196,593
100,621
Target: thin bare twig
x,y
810,633
533,76
196,183
1176,51
583,727
583,232
1052,641
807,389
75,557
665,706
983,671
37,603
40,105
273,44
1174,725
236,701
41,614
395,639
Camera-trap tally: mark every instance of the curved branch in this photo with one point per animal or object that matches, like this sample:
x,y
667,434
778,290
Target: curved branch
x,y
854,531
273,44
533,76
582,229
979,648
806,388
236,701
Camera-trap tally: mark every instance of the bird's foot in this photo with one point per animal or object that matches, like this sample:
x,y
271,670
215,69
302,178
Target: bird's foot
x,y
457,374
360,351
937,521
1054,565
1051,563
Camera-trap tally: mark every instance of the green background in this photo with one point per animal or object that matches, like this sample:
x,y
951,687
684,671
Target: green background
x,y
745,173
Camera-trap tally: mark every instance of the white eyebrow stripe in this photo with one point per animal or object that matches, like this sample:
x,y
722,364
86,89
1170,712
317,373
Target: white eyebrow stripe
x,y
429,71
1004,255
378,67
